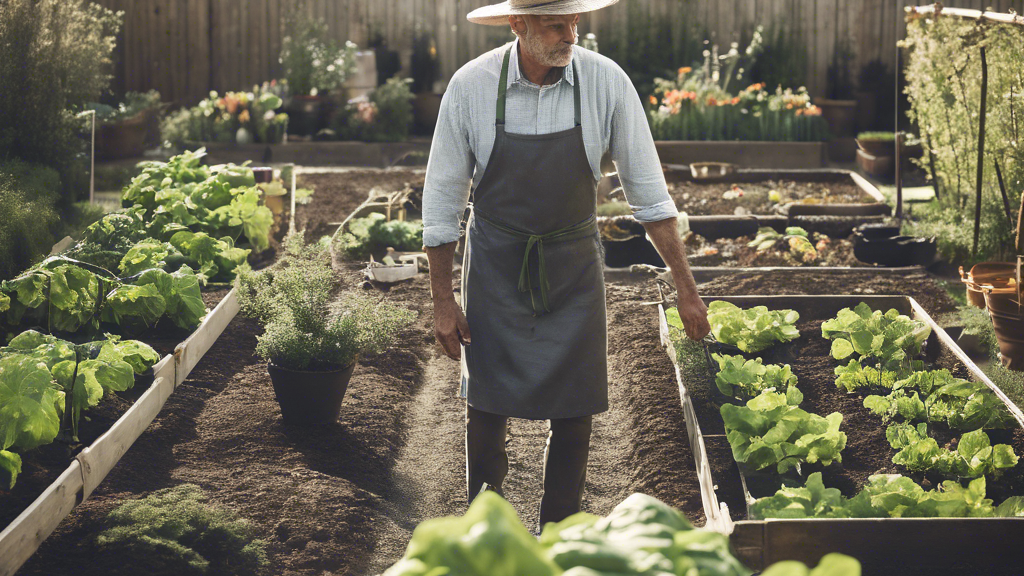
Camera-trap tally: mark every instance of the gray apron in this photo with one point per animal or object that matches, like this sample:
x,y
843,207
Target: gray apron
x,y
533,281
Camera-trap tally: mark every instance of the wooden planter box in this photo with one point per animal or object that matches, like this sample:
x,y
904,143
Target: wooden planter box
x,y
23,536
363,154
986,545
745,154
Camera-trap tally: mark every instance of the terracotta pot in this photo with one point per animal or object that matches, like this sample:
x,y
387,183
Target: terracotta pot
x,y
878,147
841,115
124,139
1008,320
996,275
310,397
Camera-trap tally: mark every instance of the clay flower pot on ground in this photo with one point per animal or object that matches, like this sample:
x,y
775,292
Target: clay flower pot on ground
x,y
313,334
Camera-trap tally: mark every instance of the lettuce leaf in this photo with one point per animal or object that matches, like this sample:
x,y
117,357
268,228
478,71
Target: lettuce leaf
x,y
863,333
751,330
741,378
180,291
134,307
149,253
10,467
29,415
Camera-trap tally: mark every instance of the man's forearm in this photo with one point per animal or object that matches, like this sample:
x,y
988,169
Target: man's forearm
x,y
665,238
441,259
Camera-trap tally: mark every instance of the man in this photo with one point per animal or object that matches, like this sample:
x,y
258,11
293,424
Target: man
x,y
524,127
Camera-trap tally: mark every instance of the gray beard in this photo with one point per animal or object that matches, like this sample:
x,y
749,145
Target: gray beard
x,y
558,57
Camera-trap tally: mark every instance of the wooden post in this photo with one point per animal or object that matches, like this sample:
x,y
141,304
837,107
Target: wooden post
x,y
1002,190
899,177
981,151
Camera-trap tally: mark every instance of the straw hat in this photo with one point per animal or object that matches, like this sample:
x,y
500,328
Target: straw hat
x,y
497,14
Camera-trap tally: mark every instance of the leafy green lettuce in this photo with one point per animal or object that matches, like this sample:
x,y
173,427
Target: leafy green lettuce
x,y
974,456
751,330
215,258
741,378
180,291
134,308
772,431
890,337
149,253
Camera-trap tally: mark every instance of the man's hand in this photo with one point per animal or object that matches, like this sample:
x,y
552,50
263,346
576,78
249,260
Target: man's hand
x,y
451,328
694,315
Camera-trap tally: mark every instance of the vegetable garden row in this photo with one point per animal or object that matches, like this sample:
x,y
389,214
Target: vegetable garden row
x,y
71,323
822,411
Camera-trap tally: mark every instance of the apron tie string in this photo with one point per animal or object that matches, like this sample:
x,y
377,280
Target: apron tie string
x,y
583,229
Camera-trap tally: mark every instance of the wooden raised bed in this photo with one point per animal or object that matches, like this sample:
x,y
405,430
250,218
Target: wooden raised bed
x,y
365,154
883,545
746,154
22,537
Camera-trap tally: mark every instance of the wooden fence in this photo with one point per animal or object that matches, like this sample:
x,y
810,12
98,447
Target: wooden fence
x,y
185,48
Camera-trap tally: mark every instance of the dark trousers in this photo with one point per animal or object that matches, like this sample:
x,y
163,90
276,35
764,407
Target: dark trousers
x,y
565,460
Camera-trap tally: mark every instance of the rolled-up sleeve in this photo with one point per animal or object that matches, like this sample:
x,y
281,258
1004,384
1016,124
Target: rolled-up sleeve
x,y
449,175
636,159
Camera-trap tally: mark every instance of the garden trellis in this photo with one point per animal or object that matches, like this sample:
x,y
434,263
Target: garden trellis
x,y
967,95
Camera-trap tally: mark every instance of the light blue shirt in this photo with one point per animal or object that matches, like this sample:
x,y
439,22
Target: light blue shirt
x,y
613,121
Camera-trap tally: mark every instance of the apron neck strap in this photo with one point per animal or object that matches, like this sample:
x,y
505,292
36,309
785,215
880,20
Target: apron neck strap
x,y
499,114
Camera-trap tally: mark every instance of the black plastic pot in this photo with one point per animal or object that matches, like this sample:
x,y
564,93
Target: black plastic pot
x,y
310,397
306,115
883,246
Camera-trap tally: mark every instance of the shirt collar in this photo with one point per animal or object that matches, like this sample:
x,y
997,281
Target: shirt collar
x,y
513,68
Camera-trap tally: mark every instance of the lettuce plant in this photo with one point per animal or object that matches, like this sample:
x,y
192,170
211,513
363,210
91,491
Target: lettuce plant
x,y
771,430
974,456
741,378
43,379
751,330
885,496
891,338
961,404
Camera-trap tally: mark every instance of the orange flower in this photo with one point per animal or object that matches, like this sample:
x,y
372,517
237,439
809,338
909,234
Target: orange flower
x,y
755,87
654,101
813,111
735,100
685,70
690,96
244,116
711,101
231,103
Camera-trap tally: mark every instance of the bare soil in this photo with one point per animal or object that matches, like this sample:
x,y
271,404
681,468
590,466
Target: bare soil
x,y
734,252
724,198
344,498
337,194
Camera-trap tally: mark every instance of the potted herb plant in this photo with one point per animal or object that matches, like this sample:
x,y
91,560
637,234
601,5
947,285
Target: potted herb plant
x,y
314,65
313,334
121,131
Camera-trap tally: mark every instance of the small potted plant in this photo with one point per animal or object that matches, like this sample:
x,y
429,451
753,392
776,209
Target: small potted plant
x,y
121,131
425,71
313,334
314,65
840,108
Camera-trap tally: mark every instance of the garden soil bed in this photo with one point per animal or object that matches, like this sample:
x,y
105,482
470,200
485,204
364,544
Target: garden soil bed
x,y
343,499
337,194
734,252
40,467
743,198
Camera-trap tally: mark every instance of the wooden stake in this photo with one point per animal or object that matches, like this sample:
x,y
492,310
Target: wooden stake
x,y
1002,189
981,150
899,177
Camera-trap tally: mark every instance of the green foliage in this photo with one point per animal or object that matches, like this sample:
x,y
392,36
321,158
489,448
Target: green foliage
x,y
106,241
306,328
384,116
183,202
313,62
374,234
641,536
877,136
891,338
944,88
28,221
175,530
885,496
181,294
745,379
974,456
751,330
236,117
795,240
134,104
57,54
771,430
38,372
854,377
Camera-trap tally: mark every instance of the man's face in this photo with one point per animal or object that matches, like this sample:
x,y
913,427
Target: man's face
x,y
548,39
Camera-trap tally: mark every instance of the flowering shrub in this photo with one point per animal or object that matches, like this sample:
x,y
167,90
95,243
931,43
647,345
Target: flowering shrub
x,y
313,63
693,106
242,117
383,116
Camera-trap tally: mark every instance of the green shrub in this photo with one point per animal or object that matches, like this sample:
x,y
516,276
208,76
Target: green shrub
x,y
313,62
944,88
306,326
57,54
175,531
373,235
384,116
29,223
